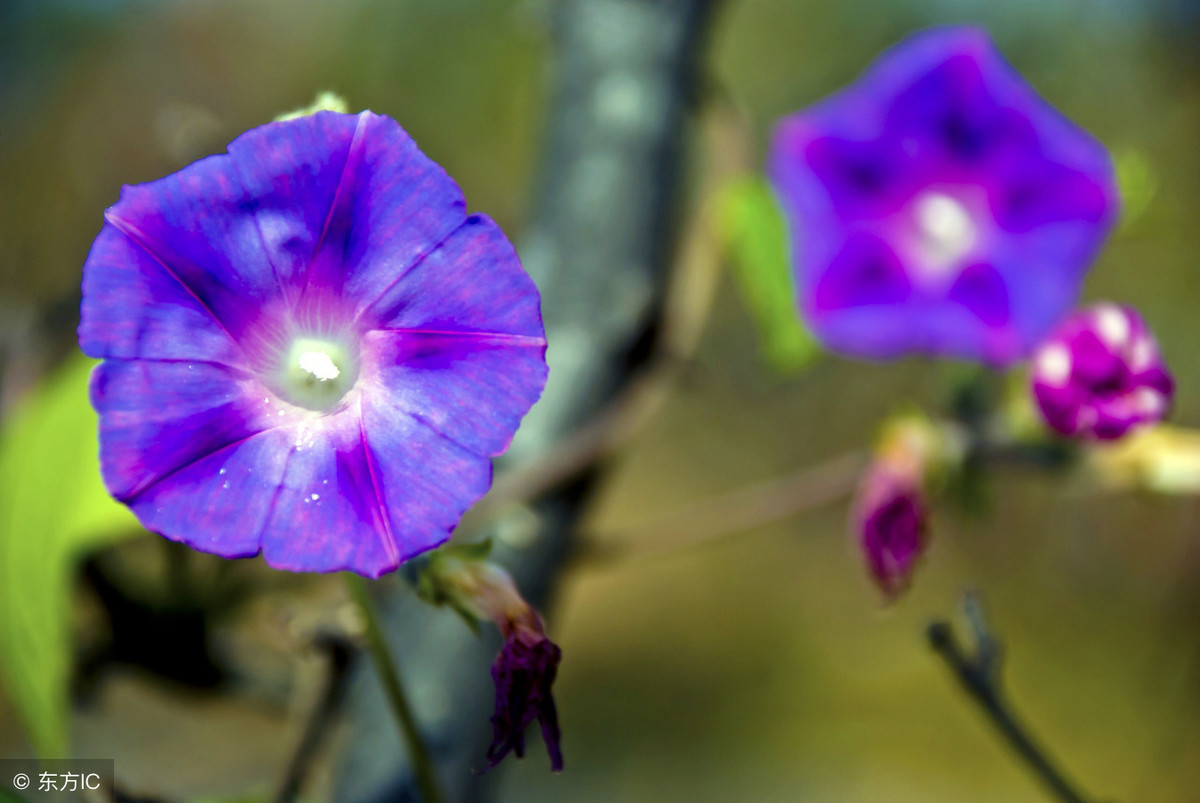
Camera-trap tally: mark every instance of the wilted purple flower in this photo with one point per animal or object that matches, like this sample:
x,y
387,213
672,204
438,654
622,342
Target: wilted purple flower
x,y
939,205
524,673
1100,374
310,349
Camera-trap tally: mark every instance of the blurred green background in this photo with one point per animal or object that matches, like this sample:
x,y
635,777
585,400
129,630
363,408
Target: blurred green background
x,y
759,668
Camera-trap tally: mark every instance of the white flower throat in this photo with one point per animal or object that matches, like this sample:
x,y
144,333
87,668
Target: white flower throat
x,y
945,232
316,374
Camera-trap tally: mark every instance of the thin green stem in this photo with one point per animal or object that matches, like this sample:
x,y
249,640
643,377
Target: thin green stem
x,y
394,689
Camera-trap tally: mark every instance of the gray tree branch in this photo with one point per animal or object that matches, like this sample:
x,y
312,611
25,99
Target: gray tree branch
x,y
599,245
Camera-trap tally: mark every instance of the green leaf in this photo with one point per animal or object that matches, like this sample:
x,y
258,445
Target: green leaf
x,y
53,509
755,242
323,102
1138,182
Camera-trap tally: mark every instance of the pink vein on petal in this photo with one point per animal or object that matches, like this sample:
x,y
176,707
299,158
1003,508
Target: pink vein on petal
x,y
147,485
139,238
416,263
380,507
513,339
339,193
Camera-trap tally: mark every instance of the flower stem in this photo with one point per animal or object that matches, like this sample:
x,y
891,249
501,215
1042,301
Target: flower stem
x,y
394,689
338,652
979,675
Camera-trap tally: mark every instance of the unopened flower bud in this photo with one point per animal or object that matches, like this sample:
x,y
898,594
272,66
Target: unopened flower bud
x,y
891,519
890,516
1100,374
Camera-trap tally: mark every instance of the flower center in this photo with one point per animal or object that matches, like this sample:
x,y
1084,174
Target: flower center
x,y
945,231
316,374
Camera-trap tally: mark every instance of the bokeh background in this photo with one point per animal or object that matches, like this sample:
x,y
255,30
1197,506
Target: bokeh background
x,y
761,667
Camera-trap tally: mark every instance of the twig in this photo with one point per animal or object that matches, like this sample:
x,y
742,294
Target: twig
x,y
338,652
736,512
979,675
393,687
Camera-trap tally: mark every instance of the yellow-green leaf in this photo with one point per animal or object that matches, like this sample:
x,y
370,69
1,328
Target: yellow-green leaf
x,y
323,102
53,509
755,240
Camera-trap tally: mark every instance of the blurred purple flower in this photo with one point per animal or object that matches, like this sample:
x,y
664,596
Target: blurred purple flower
x,y
939,205
310,349
891,519
1100,374
524,672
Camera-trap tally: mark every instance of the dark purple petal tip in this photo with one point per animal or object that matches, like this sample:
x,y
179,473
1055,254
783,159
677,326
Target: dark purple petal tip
x,y
524,673
310,349
983,205
1100,374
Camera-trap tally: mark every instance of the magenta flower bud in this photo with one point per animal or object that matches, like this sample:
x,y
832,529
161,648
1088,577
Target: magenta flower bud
x,y
891,520
890,515
1100,374
524,672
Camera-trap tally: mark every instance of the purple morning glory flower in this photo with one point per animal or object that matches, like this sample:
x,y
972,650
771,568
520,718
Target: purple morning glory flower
x,y
1100,374
524,672
309,348
939,205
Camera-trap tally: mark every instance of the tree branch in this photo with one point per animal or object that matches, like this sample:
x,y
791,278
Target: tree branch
x,y
599,246
735,512
979,675
338,652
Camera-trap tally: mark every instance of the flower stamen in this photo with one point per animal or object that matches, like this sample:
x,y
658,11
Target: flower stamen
x,y
316,374
320,366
